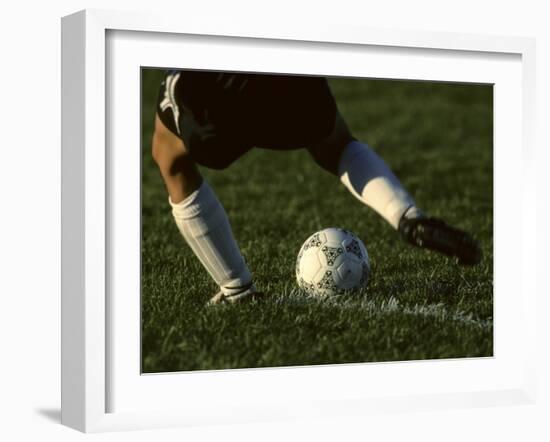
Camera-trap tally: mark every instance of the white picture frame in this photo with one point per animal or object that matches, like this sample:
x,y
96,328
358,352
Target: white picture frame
x,y
87,317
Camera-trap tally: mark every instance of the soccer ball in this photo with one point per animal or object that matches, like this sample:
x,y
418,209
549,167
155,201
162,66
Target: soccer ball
x,y
331,262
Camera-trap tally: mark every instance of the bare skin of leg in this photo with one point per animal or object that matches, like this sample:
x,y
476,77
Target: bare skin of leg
x,y
179,172
328,152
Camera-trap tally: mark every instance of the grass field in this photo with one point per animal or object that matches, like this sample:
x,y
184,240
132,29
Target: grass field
x,y
418,305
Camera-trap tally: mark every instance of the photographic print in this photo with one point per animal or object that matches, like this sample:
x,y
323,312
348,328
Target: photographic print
x,y
293,220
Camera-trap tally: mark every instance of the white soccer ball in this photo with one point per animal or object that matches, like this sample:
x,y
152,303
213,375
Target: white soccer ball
x,y
331,262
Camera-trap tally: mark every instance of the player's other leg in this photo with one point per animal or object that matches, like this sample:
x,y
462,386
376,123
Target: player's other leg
x,y
372,182
200,217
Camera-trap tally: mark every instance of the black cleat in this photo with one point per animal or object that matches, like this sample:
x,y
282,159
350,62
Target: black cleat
x,y
434,234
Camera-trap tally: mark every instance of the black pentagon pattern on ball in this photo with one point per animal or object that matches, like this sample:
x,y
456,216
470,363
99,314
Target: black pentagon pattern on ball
x,y
354,248
327,282
315,241
332,253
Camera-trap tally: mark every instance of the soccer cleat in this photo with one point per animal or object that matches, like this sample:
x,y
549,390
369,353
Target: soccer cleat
x,y
435,234
248,295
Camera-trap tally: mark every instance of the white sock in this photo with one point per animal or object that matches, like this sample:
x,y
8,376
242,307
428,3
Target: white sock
x,y
372,182
203,223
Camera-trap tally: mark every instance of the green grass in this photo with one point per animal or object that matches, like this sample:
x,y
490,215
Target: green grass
x,y
437,138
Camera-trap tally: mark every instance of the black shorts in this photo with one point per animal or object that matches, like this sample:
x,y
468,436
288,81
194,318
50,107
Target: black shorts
x,y
221,115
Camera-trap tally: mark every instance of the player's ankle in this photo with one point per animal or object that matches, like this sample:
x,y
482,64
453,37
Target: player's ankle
x,y
231,295
236,289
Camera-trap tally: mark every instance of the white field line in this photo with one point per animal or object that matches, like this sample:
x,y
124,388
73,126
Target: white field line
x,y
437,311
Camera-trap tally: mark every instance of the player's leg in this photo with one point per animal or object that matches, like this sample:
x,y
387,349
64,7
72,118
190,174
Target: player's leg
x,y
372,182
200,217
364,173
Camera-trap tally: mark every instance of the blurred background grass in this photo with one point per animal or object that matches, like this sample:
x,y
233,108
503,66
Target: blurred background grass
x,y
437,137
